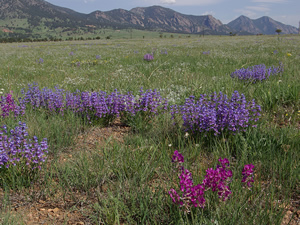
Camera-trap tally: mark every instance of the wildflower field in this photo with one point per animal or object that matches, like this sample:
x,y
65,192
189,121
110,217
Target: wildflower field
x,y
193,130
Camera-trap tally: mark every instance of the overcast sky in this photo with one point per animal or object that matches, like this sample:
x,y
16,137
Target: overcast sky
x,y
285,11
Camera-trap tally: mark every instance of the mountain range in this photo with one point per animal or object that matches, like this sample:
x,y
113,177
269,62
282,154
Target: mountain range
x,y
26,16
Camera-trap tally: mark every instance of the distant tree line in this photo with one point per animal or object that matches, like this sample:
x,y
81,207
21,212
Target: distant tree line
x,y
50,38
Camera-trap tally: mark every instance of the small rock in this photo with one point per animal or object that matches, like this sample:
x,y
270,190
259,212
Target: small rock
x,y
55,210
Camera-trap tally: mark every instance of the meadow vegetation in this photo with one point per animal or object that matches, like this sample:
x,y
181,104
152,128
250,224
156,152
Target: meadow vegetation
x,y
92,131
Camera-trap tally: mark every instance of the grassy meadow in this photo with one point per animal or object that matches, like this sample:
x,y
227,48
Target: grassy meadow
x,y
116,173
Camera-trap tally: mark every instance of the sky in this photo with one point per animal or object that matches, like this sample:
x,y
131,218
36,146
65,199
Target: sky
x,y
284,11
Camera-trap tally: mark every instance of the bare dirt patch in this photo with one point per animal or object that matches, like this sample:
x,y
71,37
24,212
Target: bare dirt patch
x,y
7,30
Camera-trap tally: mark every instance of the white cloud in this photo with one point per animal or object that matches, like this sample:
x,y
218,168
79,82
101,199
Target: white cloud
x,y
184,2
168,1
259,8
288,19
270,1
248,13
208,13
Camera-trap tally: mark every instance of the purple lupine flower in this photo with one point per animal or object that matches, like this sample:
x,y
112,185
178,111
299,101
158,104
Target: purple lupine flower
x,y
257,73
93,105
148,57
98,57
217,113
206,53
71,53
16,148
248,174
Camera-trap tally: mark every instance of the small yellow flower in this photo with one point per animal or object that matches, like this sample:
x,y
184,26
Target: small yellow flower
x,y
288,54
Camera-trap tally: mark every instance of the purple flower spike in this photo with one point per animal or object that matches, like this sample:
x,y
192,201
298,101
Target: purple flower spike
x,y
16,148
175,197
257,73
248,174
148,57
224,163
177,157
217,113
8,105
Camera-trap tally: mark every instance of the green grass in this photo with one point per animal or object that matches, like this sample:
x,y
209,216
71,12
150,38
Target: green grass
x,y
127,182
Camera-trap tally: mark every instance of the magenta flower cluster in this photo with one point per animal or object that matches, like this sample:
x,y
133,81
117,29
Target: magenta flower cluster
x,y
95,104
218,180
16,148
8,105
148,57
193,195
248,174
217,113
190,194
257,73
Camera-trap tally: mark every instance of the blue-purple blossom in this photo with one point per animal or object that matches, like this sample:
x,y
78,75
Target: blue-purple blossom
x,y
16,148
217,113
95,105
257,73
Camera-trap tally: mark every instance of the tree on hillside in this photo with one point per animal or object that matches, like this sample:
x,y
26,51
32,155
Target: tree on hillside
x,y
278,31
